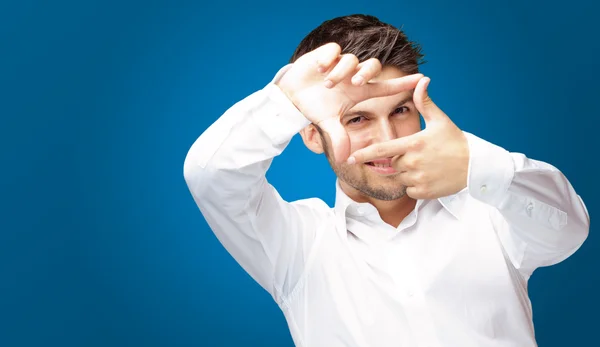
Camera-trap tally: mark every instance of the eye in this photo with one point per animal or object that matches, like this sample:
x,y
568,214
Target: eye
x,y
356,120
400,110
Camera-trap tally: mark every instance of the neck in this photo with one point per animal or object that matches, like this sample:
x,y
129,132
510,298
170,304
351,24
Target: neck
x,y
391,212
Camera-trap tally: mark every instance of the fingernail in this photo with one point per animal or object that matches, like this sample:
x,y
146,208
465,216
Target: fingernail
x,y
351,160
328,84
321,69
358,80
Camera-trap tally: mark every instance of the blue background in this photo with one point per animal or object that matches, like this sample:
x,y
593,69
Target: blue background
x,y
100,241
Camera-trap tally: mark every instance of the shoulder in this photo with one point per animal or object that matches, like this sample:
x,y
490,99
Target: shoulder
x,y
315,206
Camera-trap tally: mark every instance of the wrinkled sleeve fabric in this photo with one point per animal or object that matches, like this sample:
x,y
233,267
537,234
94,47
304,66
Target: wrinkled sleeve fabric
x,y
225,170
539,218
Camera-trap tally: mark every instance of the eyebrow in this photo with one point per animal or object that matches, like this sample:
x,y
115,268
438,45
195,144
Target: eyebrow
x,y
367,113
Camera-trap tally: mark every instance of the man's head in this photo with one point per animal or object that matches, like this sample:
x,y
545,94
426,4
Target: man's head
x,y
374,120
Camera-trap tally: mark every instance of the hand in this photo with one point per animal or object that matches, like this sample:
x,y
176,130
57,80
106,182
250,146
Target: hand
x,y
324,85
433,162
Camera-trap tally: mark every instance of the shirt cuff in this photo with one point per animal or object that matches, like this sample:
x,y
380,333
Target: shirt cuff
x,y
278,117
491,171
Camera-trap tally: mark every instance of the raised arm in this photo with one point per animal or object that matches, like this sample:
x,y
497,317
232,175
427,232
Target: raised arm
x,y
537,214
226,166
225,171
539,217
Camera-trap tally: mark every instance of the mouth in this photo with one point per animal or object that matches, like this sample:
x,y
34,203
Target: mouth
x,y
381,166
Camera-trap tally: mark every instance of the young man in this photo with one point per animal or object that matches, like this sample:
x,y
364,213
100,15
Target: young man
x,y
434,233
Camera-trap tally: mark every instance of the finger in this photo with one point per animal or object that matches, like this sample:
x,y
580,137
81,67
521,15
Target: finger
x,y
368,70
421,192
327,55
404,177
338,137
344,68
423,102
382,150
414,192
392,86
407,162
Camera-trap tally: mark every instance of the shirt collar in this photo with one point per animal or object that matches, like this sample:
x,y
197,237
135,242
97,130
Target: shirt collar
x,y
344,205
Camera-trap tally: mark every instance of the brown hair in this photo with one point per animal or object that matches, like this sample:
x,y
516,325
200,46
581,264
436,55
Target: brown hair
x,y
366,37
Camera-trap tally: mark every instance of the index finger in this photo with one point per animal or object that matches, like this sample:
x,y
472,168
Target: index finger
x,y
381,150
392,86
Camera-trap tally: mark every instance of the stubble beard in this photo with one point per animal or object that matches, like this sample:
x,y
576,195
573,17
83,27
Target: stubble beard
x,y
359,180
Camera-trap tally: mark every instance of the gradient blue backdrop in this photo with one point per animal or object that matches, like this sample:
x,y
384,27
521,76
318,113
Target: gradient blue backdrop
x,y
100,241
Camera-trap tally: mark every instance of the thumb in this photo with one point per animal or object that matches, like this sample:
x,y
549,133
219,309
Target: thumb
x,y
423,102
338,137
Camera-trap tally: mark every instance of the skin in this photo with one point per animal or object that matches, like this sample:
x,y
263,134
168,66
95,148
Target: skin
x,y
329,88
370,122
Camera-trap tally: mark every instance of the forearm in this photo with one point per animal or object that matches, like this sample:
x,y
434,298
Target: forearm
x,y
241,144
225,171
546,218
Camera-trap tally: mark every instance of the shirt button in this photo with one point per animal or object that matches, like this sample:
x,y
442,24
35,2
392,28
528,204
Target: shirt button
x,y
529,209
483,188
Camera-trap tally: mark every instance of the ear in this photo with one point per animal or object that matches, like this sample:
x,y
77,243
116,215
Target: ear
x,y
312,139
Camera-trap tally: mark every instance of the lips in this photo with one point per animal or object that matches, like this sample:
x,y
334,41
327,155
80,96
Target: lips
x,y
381,166
380,162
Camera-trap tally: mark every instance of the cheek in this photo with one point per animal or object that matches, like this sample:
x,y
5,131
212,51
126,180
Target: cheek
x,y
359,140
408,126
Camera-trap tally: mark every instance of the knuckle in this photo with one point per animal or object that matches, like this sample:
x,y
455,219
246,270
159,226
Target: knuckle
x,y
427,101
411,163
415,144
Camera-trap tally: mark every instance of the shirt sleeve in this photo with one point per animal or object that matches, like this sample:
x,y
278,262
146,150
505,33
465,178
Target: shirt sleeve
x,y
539,218
225,172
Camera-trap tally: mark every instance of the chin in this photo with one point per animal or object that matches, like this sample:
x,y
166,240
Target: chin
x,y
376,189
386,195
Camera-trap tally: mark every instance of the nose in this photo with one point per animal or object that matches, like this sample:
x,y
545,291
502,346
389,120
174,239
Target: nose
x,y
386,130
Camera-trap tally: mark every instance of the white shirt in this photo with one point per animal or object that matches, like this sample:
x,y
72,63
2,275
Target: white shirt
x,y
454,272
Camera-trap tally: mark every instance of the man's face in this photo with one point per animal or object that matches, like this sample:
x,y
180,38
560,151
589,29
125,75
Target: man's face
x,y
373,121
